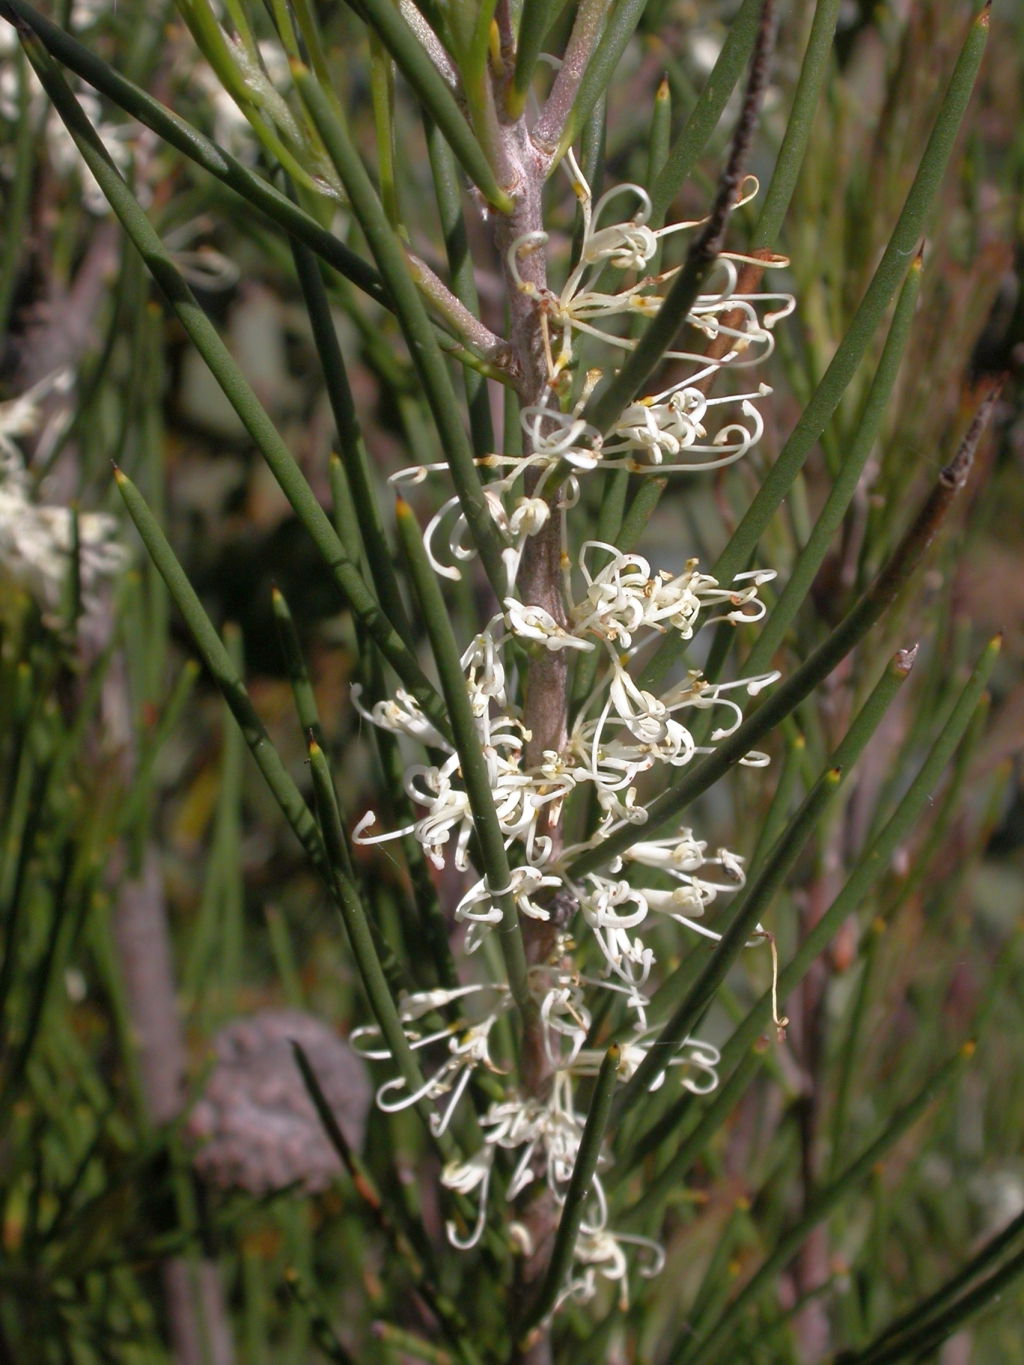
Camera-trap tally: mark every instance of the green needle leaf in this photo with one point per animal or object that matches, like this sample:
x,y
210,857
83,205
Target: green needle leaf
x,y
188,140
412,315
295,665
416,66
900,251
533,26
841,494
231,380
350,439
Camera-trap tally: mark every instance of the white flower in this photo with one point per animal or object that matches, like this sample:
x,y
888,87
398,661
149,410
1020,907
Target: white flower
x,y
403,715
534,623
465,1177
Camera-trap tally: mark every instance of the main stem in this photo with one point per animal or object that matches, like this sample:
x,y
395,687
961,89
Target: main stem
x,y
539,583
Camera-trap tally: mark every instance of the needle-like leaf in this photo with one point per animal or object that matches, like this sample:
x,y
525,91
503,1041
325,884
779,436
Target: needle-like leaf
x,y
415,65
427,358
207,341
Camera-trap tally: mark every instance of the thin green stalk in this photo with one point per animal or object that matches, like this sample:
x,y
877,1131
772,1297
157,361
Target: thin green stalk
x,y
875,859
471,758
923,1342
868,610
363,949
534,22
25,793
606,407
295,667
382,94
257,1345
777,815
689,145
714,1287
284,958
189,141
901,249
350,439
412,315
658,145
408,1344
346,522
324,1334
209,344
396,977
613,505
946,811
17,197
841,494
225,864
413,61
37,987
660,136
638,513
448,192
750,906
851,1053
472,50
137,797
917,1316
798,125
824,1201
578,1192
18,857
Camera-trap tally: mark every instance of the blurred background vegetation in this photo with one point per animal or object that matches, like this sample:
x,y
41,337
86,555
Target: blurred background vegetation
x,y
132,814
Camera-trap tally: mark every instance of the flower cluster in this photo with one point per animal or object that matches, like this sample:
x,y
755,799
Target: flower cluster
x,y
615,606
671,429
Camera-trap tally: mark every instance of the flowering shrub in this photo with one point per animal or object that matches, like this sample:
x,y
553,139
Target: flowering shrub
x,y
572,964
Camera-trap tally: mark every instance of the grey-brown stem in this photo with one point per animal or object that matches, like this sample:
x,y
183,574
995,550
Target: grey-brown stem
x,y
195,1302
540,584
540,576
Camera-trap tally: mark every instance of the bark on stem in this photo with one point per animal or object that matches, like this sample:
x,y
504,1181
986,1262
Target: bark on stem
x,y
200,1334
546,702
